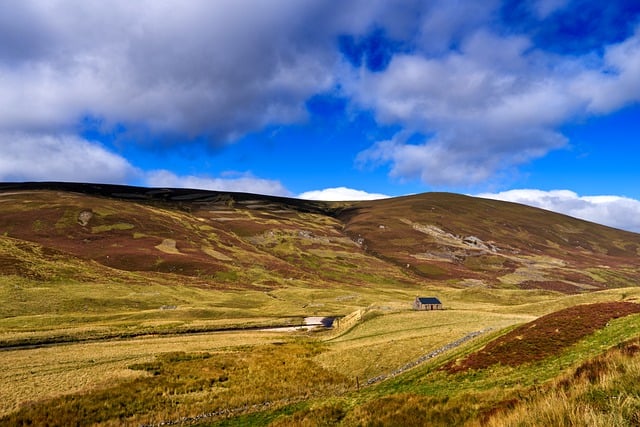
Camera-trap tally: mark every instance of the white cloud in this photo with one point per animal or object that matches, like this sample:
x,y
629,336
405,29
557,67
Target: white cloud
x,y
341,194
614,211
218,69
41,157
242,183
445,22
178,71
491,105
480,117
615,83
201,68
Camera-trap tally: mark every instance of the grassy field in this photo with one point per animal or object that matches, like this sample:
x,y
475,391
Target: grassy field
x,y
299,373
586,373
388,340
44,373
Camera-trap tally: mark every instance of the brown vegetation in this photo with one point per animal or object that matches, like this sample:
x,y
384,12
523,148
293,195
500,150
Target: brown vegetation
x,y
439,236
604,391
544,337
189,384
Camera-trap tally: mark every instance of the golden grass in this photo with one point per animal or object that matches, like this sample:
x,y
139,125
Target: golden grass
x,y
43,373
188,384
376,346
588,384
388,337
390,340
603,392
215,254
111,227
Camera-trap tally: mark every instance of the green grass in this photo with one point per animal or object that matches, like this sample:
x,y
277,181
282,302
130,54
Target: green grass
x,y
189,384
430,396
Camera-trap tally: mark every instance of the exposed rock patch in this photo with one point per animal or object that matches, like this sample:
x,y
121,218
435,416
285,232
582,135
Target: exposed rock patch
x,y
215,254
84,217
168,246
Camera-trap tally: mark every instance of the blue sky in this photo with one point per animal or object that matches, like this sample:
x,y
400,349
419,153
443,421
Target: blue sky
x,y
536,102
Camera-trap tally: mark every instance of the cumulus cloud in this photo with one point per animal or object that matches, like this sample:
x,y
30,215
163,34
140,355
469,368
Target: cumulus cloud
x,y
242,183
42,157
199,69
495,103
614,211
616,82
340,194
217,69
484,100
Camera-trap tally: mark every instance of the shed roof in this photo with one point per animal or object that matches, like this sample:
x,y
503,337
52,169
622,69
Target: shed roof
x,y
429,300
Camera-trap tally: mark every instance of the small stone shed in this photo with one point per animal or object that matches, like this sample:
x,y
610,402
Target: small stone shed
x,y
427,303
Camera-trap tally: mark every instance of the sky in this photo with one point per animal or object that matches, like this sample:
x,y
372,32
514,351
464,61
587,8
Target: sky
x,y
536,102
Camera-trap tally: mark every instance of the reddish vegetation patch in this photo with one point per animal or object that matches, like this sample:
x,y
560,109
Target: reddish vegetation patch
x,y
247,228
127,224
545,336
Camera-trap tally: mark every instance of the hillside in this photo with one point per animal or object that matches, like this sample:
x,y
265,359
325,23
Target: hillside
x,y
546,336
244,240
472,241
213,239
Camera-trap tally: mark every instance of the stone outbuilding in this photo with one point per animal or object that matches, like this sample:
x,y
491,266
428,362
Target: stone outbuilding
x,y
427,303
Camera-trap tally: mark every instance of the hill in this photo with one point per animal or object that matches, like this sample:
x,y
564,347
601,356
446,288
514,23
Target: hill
x,y
247,240
214,239
546,336
498,244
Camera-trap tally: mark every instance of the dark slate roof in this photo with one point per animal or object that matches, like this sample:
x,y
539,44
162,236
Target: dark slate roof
x,y
429,300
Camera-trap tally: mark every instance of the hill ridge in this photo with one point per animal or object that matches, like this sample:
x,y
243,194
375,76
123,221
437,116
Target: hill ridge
x,y
440,237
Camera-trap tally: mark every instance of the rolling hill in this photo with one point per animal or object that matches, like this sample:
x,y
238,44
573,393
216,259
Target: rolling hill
x,y
234,239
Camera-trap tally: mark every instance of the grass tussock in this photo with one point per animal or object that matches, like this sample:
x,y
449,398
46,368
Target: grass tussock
x,y
601,392
410,410
602,389
323,415
185,385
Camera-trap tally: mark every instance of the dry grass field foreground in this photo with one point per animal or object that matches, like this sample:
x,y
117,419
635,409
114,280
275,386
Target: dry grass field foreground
x,y
240,374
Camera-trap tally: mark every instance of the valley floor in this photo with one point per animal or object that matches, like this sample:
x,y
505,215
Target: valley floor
x,y
210,373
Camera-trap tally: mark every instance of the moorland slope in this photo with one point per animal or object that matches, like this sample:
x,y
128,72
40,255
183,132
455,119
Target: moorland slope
x,y
245,240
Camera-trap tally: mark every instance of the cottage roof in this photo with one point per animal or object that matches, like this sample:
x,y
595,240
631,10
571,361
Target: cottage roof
x,y
429,300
